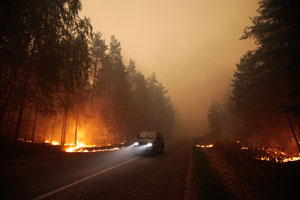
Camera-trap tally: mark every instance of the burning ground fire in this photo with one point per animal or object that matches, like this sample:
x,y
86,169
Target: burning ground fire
x,y
91,148
271,154
81,147
204,146
52,142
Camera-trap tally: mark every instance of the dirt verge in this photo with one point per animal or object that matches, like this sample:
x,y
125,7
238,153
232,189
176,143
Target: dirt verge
x,y
230,178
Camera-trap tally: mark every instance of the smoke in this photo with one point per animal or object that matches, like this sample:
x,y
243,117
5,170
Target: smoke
x,y
192,45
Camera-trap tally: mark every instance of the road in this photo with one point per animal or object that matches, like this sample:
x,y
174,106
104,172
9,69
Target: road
x,y
103,175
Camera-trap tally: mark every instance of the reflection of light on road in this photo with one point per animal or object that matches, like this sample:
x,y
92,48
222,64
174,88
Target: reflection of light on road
x,y
149,144
83,179
139,149
120,156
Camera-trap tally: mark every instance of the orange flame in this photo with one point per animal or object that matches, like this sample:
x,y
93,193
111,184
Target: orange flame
x,y
204,146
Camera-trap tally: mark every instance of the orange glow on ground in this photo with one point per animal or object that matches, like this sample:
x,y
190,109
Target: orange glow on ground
x,y
204,146
273,154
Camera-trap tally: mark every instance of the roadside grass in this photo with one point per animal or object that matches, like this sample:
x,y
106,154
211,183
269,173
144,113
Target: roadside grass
x,y
210,184
24,153
272,180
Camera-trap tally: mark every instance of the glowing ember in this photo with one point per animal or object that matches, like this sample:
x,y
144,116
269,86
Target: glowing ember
x,y
291,159
71,149
52,143
279,156
78,149
279,160
81,147
244,148
204,146
272,154
55,143
24,140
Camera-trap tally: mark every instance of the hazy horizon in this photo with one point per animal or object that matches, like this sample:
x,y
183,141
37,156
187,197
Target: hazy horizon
x,y
192,46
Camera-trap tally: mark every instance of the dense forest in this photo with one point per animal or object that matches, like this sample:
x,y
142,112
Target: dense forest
x,y
62,83
265,102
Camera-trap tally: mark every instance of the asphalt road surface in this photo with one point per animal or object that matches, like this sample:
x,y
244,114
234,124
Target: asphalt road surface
x,y
103,175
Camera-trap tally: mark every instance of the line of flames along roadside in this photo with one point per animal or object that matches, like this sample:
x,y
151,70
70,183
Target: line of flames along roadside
x,y
272,154
204,146
87,150
81,147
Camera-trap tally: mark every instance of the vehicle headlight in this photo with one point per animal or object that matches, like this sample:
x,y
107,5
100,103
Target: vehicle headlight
x,y
149,144
135,144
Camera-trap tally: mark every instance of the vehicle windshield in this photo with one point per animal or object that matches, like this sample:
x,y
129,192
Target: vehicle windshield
x,y
148,134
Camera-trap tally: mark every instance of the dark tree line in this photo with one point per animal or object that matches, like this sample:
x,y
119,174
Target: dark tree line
x,y
57,76
266,84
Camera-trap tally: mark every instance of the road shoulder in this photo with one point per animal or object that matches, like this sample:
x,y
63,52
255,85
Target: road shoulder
x,y
191,181
230,178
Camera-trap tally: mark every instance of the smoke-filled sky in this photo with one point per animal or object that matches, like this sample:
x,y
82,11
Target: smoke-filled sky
x,y
192,45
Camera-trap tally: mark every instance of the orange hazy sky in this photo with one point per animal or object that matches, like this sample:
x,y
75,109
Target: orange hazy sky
x,y
192,45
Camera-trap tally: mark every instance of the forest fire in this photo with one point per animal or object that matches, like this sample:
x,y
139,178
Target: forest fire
x,y
272,154
85,148
78,147
277,155
52,142
81,147
93,150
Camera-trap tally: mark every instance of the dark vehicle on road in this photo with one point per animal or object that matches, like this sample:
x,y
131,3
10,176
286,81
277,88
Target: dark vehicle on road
x,y
149,142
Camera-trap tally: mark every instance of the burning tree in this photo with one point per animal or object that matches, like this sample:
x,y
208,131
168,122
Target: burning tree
x,y
61,82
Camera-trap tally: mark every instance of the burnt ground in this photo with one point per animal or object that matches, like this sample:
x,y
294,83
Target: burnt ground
x,y
233,175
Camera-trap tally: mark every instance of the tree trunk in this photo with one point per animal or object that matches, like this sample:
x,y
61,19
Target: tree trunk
x,y
63,133
6,131
53,129
34,124
21,109
76,127
2,115
293,132
8,89
2,112
19,121
23,96
94,83
64,127
298,123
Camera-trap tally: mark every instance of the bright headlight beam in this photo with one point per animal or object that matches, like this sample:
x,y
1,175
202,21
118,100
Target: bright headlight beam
x,y
136,143
149,144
